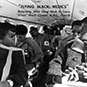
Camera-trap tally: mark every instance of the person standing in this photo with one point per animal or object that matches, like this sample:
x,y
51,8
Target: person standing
x,y
33,53
29,45
12,66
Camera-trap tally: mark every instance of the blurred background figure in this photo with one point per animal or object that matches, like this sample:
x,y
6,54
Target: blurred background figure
x,y
66,31
43,40
74,31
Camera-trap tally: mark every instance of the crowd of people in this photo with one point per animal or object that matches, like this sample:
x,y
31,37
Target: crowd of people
x,y
50,53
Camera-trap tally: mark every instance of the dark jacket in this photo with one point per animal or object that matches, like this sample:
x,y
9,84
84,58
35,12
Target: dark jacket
x,y
35,52
17,72
44,41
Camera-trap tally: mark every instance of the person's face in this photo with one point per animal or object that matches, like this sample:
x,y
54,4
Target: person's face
x,y
68,31
84,33
9,39
20,38
77,28
34,33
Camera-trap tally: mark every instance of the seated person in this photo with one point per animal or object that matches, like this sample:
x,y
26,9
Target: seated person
x,y
12,68
73,53
76,26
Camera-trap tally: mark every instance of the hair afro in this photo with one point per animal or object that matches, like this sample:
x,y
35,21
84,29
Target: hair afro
x,y
21,29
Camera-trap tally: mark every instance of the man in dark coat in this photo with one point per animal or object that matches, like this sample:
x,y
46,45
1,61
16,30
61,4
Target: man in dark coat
x,y
12,67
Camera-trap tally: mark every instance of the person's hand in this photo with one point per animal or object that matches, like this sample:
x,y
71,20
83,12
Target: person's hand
x,y
49,52
57,79
30,66
4,84
65,78
71,76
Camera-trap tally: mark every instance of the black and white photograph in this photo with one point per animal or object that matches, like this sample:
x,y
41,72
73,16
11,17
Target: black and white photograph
x,y
43,43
